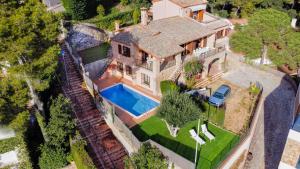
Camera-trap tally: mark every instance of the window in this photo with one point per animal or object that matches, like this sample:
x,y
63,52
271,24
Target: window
x,y
123,50
219,34
128,70
144,57
120,49
120,66
145,79
126,51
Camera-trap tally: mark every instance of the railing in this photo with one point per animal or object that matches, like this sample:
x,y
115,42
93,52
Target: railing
x,y
145,65
167,64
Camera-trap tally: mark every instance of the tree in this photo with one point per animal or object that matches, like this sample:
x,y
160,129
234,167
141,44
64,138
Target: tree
x,y
80,9
264,33
136,16
147,157
28,43
13,98
61,124
177,109
289,53
52,158
100,10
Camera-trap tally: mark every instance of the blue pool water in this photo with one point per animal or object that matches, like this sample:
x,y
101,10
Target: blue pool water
x,y
128,99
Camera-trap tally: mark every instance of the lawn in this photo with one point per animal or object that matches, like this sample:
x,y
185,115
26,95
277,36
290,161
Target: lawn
x,y
211,154
96,53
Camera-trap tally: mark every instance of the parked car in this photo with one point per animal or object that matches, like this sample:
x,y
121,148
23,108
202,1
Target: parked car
x,y
220,95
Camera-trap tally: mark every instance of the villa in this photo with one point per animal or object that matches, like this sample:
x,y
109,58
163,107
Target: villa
x,y
170,34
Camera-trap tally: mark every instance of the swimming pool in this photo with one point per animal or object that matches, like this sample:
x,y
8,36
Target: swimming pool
x,y
128,99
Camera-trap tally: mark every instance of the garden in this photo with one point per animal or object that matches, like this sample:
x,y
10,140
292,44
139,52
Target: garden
x,y
176,116
211,153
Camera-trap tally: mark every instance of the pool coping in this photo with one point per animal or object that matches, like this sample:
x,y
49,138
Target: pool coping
x,y
132,115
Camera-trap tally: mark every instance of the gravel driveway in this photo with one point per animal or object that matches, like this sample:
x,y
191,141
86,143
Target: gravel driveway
x,y
271,133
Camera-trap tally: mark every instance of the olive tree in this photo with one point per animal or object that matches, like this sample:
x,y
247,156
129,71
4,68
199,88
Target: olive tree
x,y
176,110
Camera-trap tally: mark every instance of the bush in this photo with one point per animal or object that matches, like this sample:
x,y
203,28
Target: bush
x,y
193,68
80,156
168,86
100,10
147,157
52,158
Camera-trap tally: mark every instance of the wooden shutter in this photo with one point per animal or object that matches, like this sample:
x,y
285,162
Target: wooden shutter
x,y
200,15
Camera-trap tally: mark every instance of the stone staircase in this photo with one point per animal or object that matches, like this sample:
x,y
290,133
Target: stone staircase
x,y
209,80
103,147
177,72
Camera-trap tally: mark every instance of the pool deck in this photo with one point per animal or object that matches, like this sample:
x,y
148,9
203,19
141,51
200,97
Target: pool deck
x,y
130,121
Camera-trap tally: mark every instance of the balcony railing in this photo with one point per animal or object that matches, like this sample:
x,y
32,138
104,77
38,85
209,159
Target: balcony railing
x,y
210,52
144,64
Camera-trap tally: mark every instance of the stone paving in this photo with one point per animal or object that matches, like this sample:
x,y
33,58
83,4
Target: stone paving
x,y
272,130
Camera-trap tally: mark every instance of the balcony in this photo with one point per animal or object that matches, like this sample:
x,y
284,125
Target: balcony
x,y
144,64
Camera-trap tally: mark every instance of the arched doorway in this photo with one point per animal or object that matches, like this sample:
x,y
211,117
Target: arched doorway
x,y
214,67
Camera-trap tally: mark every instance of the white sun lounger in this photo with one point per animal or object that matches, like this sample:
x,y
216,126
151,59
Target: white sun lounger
x,y
206,132
196,137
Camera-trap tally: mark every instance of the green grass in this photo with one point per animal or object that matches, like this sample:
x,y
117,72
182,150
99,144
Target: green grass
x,y
96,53
216,115
211,154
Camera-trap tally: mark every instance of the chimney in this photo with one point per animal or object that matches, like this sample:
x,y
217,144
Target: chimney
x,y
144,16
117,26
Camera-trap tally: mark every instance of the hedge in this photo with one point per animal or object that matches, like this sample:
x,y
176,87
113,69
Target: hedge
x,y
80,156
108,22
168,86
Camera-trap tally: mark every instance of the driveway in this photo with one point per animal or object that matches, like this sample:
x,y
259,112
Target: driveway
x,y
271,133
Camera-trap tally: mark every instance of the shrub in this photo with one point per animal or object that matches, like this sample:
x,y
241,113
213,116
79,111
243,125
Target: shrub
x,y
168,86
147,157
52,158
101,10
193,68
